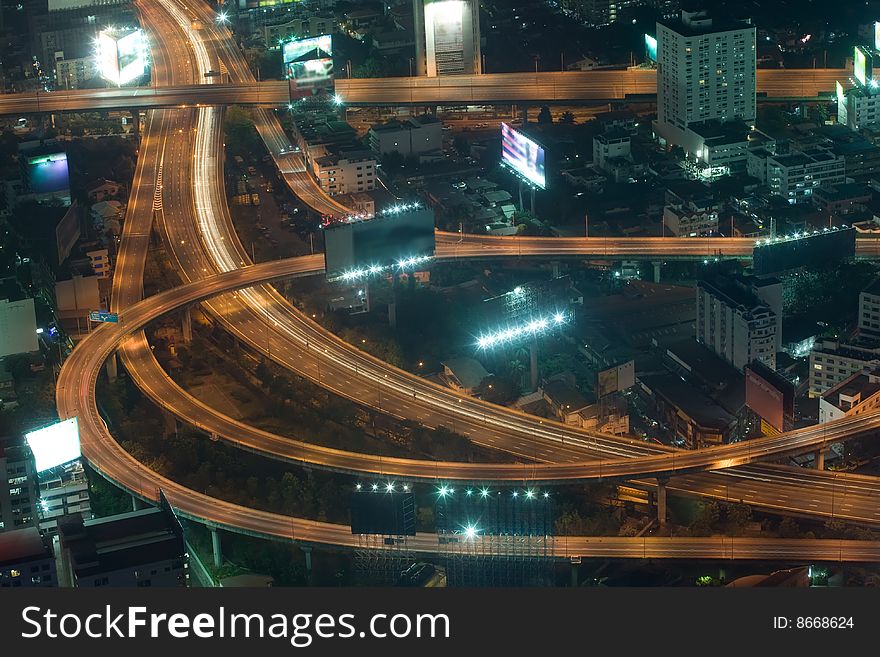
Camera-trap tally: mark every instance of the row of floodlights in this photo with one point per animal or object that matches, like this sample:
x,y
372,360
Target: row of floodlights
x,y
372,270
397,208
530,328
388,487
444,492
798,235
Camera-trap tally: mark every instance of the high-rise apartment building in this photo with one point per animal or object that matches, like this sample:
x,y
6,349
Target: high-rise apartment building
x,y
447,37
705,73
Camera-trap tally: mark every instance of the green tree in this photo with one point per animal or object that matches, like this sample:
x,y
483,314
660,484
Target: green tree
x,y
789,528
544,116
567,117
241,135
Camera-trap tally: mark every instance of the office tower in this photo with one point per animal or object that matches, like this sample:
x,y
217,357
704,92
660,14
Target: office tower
x,y
447,37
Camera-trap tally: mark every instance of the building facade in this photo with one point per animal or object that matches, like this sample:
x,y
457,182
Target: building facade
x,y
447,37
740,320
416,135
20,488
26,560
346,172
831,362
139,549
705,72
797,175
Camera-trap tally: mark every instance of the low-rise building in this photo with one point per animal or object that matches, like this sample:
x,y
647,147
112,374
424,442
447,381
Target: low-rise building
x,y
857,394
565,401
142,548
103,189
464,374
614,143
797,175
74,72
832,361
345,172
842,199
695,419
416,135
100,262
691,209
26,559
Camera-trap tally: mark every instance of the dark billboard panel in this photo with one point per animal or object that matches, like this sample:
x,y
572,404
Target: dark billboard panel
x,y
308,64
523,155
770,395
778,254
383,513
392,237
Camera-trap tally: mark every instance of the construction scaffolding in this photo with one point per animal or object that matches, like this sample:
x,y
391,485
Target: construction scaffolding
x,y
496,538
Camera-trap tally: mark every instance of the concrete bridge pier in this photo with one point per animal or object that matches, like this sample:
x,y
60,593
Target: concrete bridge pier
x,y
112,367
819,459
187,327
215,544
307,553
661,500
656,265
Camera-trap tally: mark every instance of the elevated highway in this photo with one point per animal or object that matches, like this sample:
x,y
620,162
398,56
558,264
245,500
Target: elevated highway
x,y
570,88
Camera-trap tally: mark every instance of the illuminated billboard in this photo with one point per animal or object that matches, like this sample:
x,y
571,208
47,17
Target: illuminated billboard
x,y
861,65
308,63
651,47
523,155
48,174
392,237
55,445
121,55
877,36
842,109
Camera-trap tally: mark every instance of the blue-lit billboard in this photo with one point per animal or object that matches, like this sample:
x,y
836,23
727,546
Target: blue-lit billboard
x,y
523,155
651,47
48,173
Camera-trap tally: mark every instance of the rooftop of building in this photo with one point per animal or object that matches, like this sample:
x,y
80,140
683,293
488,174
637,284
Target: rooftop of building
x,y
860,348
736,291
863,384
121,541
719,133
689,399
843,192
22,545
342,157
412,123
469,371
565,396
614,134
701,27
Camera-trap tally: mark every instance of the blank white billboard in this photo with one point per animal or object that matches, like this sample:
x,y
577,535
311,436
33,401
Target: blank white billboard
x,y
18,327
55,445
